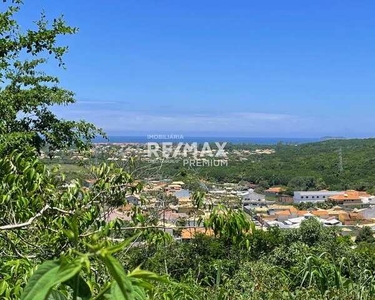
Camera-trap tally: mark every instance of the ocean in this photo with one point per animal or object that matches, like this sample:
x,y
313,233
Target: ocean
x,y
200,139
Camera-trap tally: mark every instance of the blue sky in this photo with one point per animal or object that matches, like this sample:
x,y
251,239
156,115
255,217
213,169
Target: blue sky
x,y
230,68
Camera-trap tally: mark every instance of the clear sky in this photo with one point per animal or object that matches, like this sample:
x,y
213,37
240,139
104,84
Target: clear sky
x,y
229,68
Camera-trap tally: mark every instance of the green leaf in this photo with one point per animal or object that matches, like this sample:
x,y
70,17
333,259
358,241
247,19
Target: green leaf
x,y
84,290
121,245
3,286
118,273
147,275
69,234
56,295
139,293
48,275
39,284
116,292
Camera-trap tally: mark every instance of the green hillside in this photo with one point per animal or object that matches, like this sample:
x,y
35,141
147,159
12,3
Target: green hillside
x,y
305,166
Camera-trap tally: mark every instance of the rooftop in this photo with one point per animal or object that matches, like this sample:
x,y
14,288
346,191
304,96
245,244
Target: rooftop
x,y
275,189
189,233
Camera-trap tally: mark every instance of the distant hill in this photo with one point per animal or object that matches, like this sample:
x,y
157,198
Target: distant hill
x,y
326,138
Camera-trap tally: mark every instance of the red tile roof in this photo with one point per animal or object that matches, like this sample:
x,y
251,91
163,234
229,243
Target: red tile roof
x,y
189,233
275,190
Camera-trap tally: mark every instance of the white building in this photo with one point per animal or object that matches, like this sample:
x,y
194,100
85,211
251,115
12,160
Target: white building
x,y
251,195
314,196
296,222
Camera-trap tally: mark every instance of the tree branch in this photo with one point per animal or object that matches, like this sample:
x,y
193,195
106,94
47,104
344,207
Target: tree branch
x,y
32,219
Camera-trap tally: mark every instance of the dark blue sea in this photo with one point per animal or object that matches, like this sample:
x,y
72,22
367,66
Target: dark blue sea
x,y
200,139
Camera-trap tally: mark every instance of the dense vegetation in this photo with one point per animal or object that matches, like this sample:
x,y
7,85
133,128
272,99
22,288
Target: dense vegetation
x,y
312,262
57,242
299,167
312,166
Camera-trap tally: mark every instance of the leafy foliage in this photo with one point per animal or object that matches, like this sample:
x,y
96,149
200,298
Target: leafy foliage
x,y
27,93
58,240
312,166
365,235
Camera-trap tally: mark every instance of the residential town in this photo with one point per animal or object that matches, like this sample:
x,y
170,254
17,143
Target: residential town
x,y
172,201
187,150
154,152
179,216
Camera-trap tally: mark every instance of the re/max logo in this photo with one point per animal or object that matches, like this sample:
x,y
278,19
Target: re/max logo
x,y
169,150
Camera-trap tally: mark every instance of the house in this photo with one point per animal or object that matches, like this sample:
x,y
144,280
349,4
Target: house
x,y
254,199
349,198
182,194
282,215
272,209
286,214
353,218
155,185
281,225
337,211
132,199
251,195
332,222
171,217
321,213
254,204
257,209
189,233
264,219
368,201
274,191
217,192
301,213
289,223
285,199
368,213
295,221
121,213
183,197
172,188
314,196
166,227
